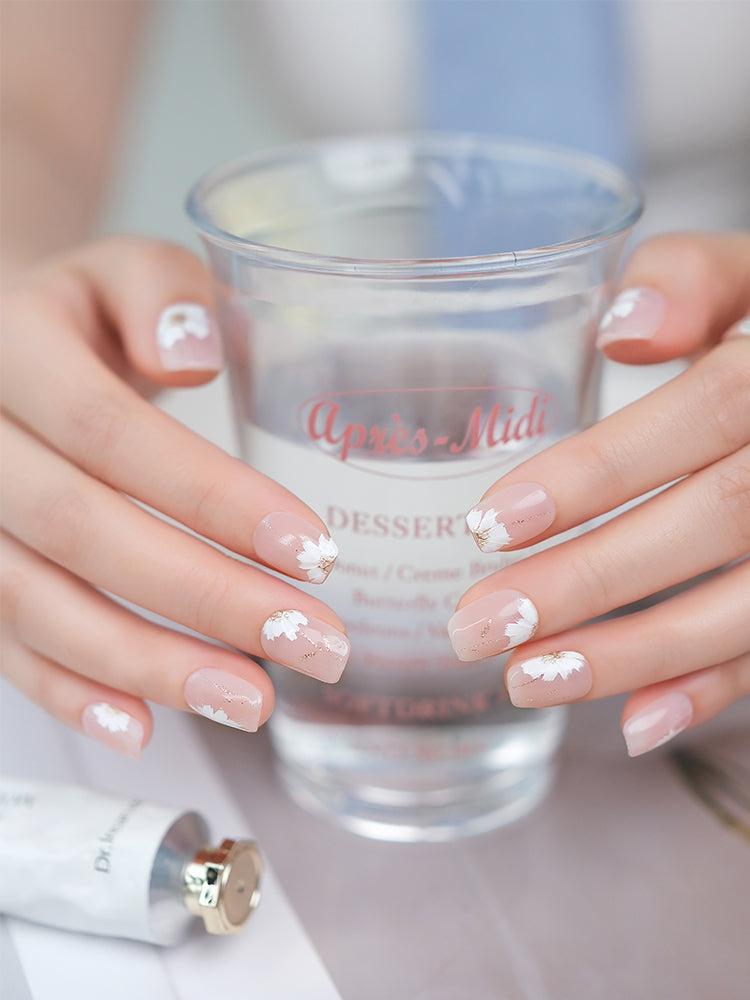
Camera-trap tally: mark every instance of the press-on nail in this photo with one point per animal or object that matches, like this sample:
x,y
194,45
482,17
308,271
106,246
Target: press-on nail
x,y
113,727
293,546
658,723
511,516
549,679
305,644
187,339
492,624
224,698
636,314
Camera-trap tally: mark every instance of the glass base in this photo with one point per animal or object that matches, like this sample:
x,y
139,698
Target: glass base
x,y
419,783
421,820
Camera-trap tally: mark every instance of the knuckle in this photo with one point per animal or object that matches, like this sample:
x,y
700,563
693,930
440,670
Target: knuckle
x,y
98,427
209,501
206,591
63,522
595,574
730,496
723,398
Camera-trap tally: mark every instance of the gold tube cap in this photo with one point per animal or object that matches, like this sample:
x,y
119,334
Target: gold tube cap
x,y
222,885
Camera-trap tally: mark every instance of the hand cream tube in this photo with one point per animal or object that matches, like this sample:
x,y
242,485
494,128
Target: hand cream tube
x,y
80,860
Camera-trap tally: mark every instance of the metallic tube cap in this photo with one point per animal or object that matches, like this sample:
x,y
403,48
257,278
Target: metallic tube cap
x,y
221,884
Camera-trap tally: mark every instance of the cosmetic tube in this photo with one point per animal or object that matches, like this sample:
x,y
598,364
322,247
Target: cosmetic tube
x,y
76,859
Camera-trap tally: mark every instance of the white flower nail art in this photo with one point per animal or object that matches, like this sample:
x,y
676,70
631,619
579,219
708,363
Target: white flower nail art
x,y
622,307
111,718
317,560
549,666
491,534
525,627
182,320
286,623
218,715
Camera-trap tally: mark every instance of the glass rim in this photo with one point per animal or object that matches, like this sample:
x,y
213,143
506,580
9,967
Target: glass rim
x,y
586,165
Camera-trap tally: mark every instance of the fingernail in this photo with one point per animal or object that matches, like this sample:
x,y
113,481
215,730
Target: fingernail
x,y
660,722
292,545
305,644
550,679
114,728
188,339
512,515
636,314
224,698
492,624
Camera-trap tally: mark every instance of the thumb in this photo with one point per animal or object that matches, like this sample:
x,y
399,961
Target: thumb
x,y
678,296
157,296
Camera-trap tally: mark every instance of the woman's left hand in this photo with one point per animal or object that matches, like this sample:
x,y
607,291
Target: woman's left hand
x,y
686,657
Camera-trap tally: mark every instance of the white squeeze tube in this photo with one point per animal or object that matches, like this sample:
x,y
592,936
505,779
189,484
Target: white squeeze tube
x,y
76,859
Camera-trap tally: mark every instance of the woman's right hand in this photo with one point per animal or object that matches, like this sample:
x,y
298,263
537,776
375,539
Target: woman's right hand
x,y
89,465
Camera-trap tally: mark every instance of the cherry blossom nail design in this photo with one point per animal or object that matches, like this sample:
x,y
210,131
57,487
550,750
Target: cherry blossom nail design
x,y
307,644
511,516
224,698
292,545
635,314
658,723
492,624
550,679
114,728
187,338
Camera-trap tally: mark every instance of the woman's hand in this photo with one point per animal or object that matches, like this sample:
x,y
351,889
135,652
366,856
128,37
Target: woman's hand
x,y
78,443
687,657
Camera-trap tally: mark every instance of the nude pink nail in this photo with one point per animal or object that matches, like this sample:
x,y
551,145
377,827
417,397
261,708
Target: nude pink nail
x,y
292,545
188,339
550,679
307,644
224,698
636,314
511,516
492,624
113,727
658,723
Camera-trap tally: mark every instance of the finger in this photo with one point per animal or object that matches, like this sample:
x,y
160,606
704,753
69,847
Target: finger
x,y
643,551
147,299
703,415
678,295
87,413
701,627
655,715
68,623
118,721
102,537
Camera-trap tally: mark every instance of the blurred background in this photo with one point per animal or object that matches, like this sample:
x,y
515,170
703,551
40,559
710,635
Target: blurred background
x,y
660,86
219,78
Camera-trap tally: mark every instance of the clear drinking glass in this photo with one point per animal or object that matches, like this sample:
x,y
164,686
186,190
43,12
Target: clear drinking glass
x,y
406,318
